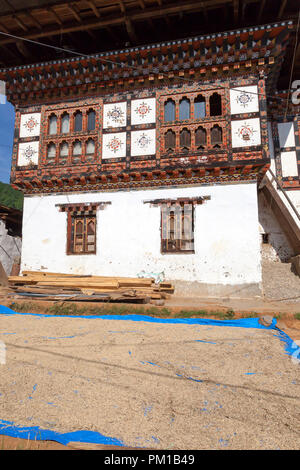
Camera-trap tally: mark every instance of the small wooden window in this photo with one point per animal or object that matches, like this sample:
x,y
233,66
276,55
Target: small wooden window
x,y
90,147
177,228
199,107
65,123
51,152
169,110
170,141
78,121
184,109
82,234
200,138
215,105
63,152
185,139
216,136
52,125
91,120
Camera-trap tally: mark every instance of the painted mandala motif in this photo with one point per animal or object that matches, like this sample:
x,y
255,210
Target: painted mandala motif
x,y
143,141
245,132
115,144
244,99
143,110
29,153
30,124
116,115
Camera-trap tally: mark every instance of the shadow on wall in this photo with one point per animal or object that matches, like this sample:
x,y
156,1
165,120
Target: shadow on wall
x,y
274,243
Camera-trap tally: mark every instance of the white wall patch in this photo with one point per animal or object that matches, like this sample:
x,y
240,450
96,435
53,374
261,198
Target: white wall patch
x,y
286,134
289,164
244,99
143,111
143,142
30,125
114,145
245,133
114,115
28,153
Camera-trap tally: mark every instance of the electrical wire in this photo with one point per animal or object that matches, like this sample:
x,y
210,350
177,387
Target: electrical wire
x,y
82,55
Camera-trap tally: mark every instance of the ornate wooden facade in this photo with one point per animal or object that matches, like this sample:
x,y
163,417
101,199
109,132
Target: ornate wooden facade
x,y
176,113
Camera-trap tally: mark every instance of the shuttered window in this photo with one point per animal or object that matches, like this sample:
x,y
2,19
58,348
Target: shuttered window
x,y
82,237
177,228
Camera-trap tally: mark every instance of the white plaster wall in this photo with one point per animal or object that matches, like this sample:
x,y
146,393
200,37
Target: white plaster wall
x,y
278,248
227,242
294,196
10,248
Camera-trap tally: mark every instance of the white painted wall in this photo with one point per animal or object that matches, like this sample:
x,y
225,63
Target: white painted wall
x,y
294,196
227,241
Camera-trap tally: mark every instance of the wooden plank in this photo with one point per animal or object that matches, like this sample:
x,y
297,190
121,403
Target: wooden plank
x,y
75,283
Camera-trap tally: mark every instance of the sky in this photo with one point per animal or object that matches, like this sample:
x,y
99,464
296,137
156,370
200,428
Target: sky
x,y
7,120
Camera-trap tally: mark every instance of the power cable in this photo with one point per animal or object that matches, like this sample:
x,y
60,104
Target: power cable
x,y
78,54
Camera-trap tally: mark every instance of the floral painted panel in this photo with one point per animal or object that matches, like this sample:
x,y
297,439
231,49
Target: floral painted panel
x,y
30,125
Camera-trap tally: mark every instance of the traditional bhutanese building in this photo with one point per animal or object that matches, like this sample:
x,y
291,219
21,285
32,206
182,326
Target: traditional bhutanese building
x,y
148,159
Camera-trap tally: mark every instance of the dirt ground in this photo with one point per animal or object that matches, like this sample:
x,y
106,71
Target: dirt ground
x,y
150,385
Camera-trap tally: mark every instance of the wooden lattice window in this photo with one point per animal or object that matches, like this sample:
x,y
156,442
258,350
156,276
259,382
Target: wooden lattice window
x,y
82,234
216,136
200,138
170,141
185,139
177,228
215,105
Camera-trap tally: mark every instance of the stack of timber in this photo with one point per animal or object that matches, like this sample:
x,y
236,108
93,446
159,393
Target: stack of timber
x,y
67,287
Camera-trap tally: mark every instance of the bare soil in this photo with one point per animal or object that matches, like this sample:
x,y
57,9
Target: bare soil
x,y
151,385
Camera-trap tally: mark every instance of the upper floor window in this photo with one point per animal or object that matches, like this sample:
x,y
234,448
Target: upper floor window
x,y
52,124
51,151
90,147
184,109
65,123
78,121
91,120
169,110
77,148
216,136
185,139
64,150
170,140
215,105
200,138
199,107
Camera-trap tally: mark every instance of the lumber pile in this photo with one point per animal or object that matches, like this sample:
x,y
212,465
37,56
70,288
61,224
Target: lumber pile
x,y
58,286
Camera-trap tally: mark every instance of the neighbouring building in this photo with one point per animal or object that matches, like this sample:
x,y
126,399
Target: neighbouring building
x,y
148,159
10,237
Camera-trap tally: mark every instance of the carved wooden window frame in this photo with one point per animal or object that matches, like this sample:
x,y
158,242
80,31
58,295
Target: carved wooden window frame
x,y
81,213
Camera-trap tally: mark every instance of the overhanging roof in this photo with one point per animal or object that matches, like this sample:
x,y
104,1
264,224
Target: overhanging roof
x,y
90,26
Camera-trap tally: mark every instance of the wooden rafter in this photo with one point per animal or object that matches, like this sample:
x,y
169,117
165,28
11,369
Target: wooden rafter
x,y
128,19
